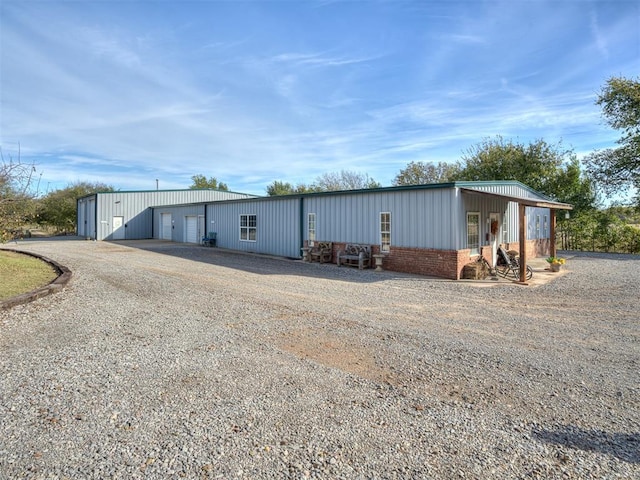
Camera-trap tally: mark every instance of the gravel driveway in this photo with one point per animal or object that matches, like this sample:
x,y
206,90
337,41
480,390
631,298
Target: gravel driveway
x,y
164,360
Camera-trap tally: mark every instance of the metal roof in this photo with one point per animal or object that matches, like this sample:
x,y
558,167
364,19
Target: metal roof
x,y
529,202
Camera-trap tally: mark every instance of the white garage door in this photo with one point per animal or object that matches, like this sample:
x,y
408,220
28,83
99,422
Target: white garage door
x,y
191,229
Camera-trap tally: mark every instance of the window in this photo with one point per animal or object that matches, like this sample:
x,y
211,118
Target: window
x,y
385,231
537,226
248,228
505,229
473,232
311,224
545,227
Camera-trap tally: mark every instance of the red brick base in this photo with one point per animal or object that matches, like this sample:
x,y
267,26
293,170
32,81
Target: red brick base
x,y
440,263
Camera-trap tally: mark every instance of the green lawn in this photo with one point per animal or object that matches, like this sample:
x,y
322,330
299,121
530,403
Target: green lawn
x,y
22,273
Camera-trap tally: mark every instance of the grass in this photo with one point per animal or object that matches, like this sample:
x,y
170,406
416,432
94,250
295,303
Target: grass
x,y
22,273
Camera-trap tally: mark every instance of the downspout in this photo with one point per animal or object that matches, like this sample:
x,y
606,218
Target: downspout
x,y
301,229
95,219
552,233
78,217
206,224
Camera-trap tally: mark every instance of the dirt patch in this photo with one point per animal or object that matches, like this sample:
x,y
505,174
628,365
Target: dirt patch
x,y
332,350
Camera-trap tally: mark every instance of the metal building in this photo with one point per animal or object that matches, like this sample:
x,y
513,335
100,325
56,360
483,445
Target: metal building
x,y
428,229
127,215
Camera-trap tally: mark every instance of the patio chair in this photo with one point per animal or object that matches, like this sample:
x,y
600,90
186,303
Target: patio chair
x,y
509,266
210,240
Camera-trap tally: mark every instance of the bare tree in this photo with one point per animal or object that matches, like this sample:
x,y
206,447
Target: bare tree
x,y
16,198
344,180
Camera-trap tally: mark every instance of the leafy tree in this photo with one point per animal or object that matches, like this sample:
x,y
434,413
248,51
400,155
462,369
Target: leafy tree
x,y
285,188
58,208
16,197
549,169
571,185
345,180
420,173
618,168
200,182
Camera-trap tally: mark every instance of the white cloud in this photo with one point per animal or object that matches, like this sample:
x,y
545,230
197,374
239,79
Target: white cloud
x,y
600,40
149,97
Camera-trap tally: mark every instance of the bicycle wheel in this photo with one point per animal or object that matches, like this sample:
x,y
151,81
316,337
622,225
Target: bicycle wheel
x,y
503,270
529,272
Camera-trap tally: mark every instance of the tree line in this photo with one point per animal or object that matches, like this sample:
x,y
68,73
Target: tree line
x,y
548,168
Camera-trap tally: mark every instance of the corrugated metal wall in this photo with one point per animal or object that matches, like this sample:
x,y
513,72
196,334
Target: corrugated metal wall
x,y
431,218
178,217
512,214
86,216
134,208
277,225
419,218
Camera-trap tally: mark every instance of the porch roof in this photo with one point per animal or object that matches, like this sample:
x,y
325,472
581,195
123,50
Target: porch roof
x,y
529,202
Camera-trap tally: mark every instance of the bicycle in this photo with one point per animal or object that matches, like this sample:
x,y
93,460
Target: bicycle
x,y
509,265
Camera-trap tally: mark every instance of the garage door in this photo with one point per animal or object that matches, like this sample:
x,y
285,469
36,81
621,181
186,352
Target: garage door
x,y
191,229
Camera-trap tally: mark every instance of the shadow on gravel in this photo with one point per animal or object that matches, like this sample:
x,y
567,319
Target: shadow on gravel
x,y
262,264
623,257
625,446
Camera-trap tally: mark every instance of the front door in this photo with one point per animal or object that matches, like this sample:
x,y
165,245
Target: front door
x,y
118,228
494,236
165,226
201,232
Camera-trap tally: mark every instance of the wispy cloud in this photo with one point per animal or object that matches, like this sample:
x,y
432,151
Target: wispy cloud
x,y
112,93
318,59
600,41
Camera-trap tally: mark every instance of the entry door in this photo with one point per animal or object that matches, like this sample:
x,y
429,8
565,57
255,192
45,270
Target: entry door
x,y
201,232
82,227
91,221
118,228
191,230
494,232
165,226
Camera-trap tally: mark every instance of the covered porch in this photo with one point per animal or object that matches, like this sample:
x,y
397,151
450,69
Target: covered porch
x,y
523,203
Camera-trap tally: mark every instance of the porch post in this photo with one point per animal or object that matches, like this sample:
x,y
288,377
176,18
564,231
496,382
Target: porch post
x,y
552,232
523,241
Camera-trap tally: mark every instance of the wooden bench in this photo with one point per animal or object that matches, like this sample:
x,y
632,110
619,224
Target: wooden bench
x,y
355,255
321,252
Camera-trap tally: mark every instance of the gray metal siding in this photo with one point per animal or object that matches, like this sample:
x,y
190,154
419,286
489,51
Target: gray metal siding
x,y
510,210
134,207
277,229
178,214
485,206
86,216
419,218
513,190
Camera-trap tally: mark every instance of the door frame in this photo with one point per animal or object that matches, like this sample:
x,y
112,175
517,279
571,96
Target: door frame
x,y
163,217
114,229
494,239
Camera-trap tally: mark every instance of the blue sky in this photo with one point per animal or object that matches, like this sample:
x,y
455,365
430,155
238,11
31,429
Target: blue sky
x,y
126,92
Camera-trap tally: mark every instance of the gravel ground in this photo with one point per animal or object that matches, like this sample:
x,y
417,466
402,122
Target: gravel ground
x,y
164,360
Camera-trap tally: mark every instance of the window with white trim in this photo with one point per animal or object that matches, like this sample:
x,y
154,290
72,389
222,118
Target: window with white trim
x,y
311,227
537,226
473,232
248,227
385,231
505,229
545,227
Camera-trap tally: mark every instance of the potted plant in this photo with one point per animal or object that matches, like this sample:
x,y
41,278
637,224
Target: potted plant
x,y
555,263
